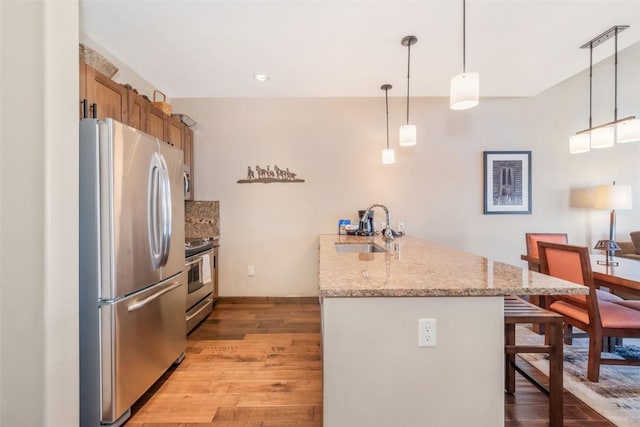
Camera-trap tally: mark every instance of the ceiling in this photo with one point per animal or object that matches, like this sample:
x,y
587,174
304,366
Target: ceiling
x,y
348,48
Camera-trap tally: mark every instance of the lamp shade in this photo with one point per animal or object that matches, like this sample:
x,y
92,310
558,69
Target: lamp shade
x,y
388,156
407,135
580,143
629,131
613,197
602,137
464,91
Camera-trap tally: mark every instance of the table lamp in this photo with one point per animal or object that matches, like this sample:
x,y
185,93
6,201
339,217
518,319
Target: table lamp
x,y
613,197
608,246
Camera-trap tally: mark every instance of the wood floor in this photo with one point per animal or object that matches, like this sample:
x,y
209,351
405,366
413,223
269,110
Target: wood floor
x,y
257,363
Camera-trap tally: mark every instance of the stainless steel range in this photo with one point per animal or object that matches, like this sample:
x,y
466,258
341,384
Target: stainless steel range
x,y
202,284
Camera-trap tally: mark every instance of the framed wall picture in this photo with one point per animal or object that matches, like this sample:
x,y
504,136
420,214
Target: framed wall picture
x,y
507,182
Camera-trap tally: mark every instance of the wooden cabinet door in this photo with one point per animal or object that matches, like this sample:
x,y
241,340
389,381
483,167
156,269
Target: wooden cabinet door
x,y
188,155
175,131
155,122
188,148
110,97
137,109
83,89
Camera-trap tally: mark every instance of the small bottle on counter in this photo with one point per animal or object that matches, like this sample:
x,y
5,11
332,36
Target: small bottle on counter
x,y
342,225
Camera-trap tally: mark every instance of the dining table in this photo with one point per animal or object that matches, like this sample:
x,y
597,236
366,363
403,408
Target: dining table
x,y
621,275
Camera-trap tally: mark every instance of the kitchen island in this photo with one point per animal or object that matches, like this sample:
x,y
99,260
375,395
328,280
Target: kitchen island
x,y
374,372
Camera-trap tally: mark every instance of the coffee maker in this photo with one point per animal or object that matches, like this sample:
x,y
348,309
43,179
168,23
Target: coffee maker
x,y
366,224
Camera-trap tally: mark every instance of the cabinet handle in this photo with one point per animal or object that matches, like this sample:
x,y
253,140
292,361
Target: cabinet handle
x,y
85,107
94,107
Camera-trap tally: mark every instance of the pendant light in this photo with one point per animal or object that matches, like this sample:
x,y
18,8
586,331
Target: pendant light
x,y
465,87
408,132
388,155
622,130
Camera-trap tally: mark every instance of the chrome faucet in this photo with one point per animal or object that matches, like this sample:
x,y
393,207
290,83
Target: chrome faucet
x,y
388,233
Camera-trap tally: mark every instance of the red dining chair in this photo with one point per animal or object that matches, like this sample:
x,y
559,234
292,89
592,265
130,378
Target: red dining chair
x,y
532,239
531,243
595,317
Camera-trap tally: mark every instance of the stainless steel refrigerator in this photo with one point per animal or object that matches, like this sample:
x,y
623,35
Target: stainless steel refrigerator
x,y
132,285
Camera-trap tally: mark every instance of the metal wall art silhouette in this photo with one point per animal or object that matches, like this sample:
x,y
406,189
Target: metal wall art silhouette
x,y
267,175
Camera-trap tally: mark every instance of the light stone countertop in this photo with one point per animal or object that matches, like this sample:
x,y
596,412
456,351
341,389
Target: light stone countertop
x,y
424,269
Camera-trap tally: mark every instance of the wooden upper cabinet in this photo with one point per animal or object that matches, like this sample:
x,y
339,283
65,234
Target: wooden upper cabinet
x,y
110,98
138,110
124,105
175,132
188,148
156,120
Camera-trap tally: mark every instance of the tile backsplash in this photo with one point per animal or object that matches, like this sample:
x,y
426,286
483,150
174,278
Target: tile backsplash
x,y
201,219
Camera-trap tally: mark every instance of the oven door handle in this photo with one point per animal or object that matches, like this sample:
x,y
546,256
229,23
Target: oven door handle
x,y
195,261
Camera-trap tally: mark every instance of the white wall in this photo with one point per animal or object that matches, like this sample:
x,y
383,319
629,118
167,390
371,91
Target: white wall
x,y
38,213
435,187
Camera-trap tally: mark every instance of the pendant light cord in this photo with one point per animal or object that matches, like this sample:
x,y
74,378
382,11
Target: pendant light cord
x,y
386,102
408,80
615,80
464,36
590,85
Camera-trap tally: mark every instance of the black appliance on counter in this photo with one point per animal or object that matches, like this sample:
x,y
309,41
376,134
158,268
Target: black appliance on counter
x,y
365,228
201,265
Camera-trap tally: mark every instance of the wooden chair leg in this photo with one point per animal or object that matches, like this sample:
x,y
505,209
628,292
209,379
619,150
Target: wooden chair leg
x,y
510,359
595,354
554,336
567,333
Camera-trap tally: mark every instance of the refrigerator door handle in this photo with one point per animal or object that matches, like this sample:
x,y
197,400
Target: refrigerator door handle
x,y
139,304
154,211
186,181
166,211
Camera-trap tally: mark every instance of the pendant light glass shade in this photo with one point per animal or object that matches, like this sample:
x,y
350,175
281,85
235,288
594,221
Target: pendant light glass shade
x,y
465,91
388,156
580,143
602,137
408,135
629,131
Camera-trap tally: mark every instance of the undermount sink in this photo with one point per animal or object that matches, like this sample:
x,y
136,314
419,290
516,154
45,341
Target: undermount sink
x,y
359,247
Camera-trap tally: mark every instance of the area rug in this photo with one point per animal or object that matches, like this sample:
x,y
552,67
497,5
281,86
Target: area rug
x,y
616,396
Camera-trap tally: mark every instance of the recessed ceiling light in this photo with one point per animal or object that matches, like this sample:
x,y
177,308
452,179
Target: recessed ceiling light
x,y
261,77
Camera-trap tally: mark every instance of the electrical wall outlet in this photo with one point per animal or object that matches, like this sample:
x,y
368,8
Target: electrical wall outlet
x,y
427,333
251,271
401,227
